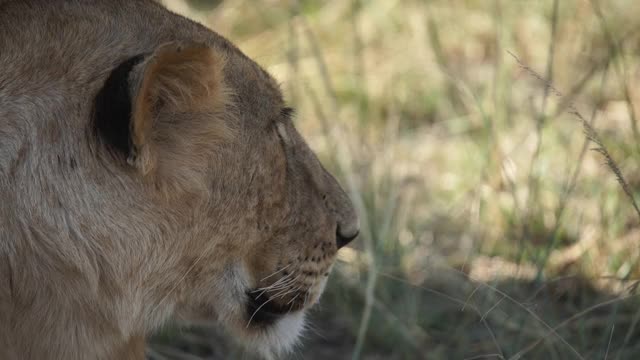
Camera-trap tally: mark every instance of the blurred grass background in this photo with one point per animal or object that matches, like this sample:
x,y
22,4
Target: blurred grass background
x,y
490,231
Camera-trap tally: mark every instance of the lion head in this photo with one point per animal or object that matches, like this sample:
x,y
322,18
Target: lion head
x,y
153,176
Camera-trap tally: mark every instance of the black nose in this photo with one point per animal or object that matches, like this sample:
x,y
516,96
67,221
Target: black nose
x,y
342,240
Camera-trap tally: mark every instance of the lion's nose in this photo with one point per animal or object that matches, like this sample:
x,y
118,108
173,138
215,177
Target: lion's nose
x,y
346,217
343,239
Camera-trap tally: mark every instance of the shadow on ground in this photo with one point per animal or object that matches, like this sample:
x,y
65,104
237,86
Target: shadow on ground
x,y
450,316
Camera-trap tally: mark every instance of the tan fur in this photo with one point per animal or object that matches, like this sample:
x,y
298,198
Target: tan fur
x,y
177,79
221,195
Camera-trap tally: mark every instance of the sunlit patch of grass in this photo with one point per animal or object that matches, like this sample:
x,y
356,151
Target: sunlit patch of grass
x,y
491,229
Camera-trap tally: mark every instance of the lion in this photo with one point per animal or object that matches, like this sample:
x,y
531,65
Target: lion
x,y
149,171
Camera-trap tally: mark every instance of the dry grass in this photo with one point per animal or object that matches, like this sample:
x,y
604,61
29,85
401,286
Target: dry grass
x,y
490,230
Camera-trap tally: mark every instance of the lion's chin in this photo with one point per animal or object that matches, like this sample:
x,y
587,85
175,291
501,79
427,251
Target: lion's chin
x,y
279,337
252,319
271,340
270,328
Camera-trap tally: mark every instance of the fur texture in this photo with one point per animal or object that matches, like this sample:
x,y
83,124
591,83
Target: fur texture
x,y
202,200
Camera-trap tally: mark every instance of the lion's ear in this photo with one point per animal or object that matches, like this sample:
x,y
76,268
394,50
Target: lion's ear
x,y
149,100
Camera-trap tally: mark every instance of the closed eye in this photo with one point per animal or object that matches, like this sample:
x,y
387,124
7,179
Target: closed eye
x,y
282,132
281,124
287,113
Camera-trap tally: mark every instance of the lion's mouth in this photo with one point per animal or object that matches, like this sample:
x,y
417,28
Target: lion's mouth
x,y
263,310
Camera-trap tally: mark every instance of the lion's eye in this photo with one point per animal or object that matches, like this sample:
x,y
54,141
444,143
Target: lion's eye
x,y
282,131
285,115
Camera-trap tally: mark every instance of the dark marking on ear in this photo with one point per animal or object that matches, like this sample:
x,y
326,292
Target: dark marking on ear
x,y
113,108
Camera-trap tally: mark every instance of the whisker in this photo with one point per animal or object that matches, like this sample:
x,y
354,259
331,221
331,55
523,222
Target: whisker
x,y
277,288
286,292
266,277
292,300
283,284
279,281
255,312
286,289
306,298
274,285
